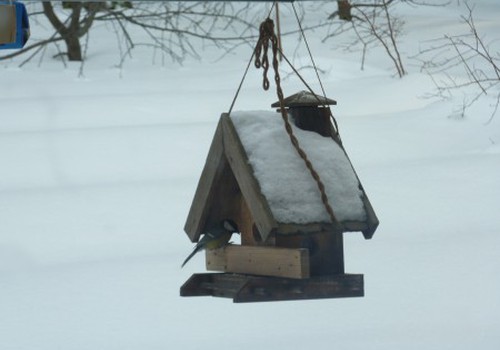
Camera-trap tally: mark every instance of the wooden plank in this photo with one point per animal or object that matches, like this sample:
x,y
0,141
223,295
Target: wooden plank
x,y
263,261
345,226
225,198
205,190
268,261
309,228
250,234
371,218
249,186
212,284
245,288
354,226
215,259
280,289
193,287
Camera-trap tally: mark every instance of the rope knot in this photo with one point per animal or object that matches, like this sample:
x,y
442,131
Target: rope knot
x,y
266,29
266,35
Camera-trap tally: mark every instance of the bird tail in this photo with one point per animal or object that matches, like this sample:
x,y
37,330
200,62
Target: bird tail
x,y
195,250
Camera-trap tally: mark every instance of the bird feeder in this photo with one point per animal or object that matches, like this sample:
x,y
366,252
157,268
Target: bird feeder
x,y
14,25
290,247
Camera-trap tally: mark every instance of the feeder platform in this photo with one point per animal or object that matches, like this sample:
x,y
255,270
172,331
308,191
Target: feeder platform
x,y
248,288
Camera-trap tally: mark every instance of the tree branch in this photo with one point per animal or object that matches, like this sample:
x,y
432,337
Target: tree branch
x,y
48,10
467,51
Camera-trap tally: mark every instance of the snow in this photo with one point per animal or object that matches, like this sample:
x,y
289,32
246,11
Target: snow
x,y
97,175
284,179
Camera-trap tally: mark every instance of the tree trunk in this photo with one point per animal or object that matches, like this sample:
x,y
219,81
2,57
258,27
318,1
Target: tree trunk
x,y
344,10
76,28
74,48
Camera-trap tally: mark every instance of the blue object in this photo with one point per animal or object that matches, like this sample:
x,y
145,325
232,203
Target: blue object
x,y
22,26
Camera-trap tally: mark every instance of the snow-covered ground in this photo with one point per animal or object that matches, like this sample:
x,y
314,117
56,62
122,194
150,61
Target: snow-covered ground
x,y
97,175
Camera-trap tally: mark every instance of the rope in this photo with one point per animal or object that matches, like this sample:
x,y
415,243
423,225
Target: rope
x,y
266,37
246,70
302,32
282,55
308,49
241,84
336,127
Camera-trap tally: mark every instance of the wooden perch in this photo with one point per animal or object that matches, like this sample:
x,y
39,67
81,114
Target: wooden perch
x,y
263,261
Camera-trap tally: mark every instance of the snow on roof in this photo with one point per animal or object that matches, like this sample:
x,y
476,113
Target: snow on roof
x,y
285,181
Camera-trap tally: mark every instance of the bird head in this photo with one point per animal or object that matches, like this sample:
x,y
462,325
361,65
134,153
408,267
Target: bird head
x,y
230,226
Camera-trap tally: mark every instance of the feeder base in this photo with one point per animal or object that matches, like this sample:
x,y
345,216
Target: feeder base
x,y
248,288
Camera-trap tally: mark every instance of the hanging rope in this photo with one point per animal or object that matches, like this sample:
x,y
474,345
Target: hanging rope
x,y
265,65
267,36
247,68
303,34
308,49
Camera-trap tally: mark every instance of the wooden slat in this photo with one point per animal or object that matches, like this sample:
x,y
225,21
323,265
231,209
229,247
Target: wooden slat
x,y
215,259
310,228
268,261
278,289
194,286
264,261
249,186
225,199
371,218
246,288
212,284
205,190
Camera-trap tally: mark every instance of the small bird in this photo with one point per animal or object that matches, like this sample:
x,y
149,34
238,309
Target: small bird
x,y
218,237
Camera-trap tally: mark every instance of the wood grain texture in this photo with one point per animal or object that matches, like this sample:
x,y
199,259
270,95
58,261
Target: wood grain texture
x,y
205,191
280,289
249,186
245,288
263,261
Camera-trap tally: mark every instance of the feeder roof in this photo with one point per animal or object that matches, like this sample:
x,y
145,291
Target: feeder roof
x,y
284,179
252,156
305,99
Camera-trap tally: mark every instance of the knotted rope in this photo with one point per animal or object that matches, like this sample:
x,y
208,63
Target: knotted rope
x,y
267,36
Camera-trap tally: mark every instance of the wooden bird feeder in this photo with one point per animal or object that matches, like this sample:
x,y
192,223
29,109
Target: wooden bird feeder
x,y
290,248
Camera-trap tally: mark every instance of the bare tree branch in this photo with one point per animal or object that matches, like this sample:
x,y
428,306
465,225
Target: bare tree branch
x,y
471,53
373,25
48,10
171,27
